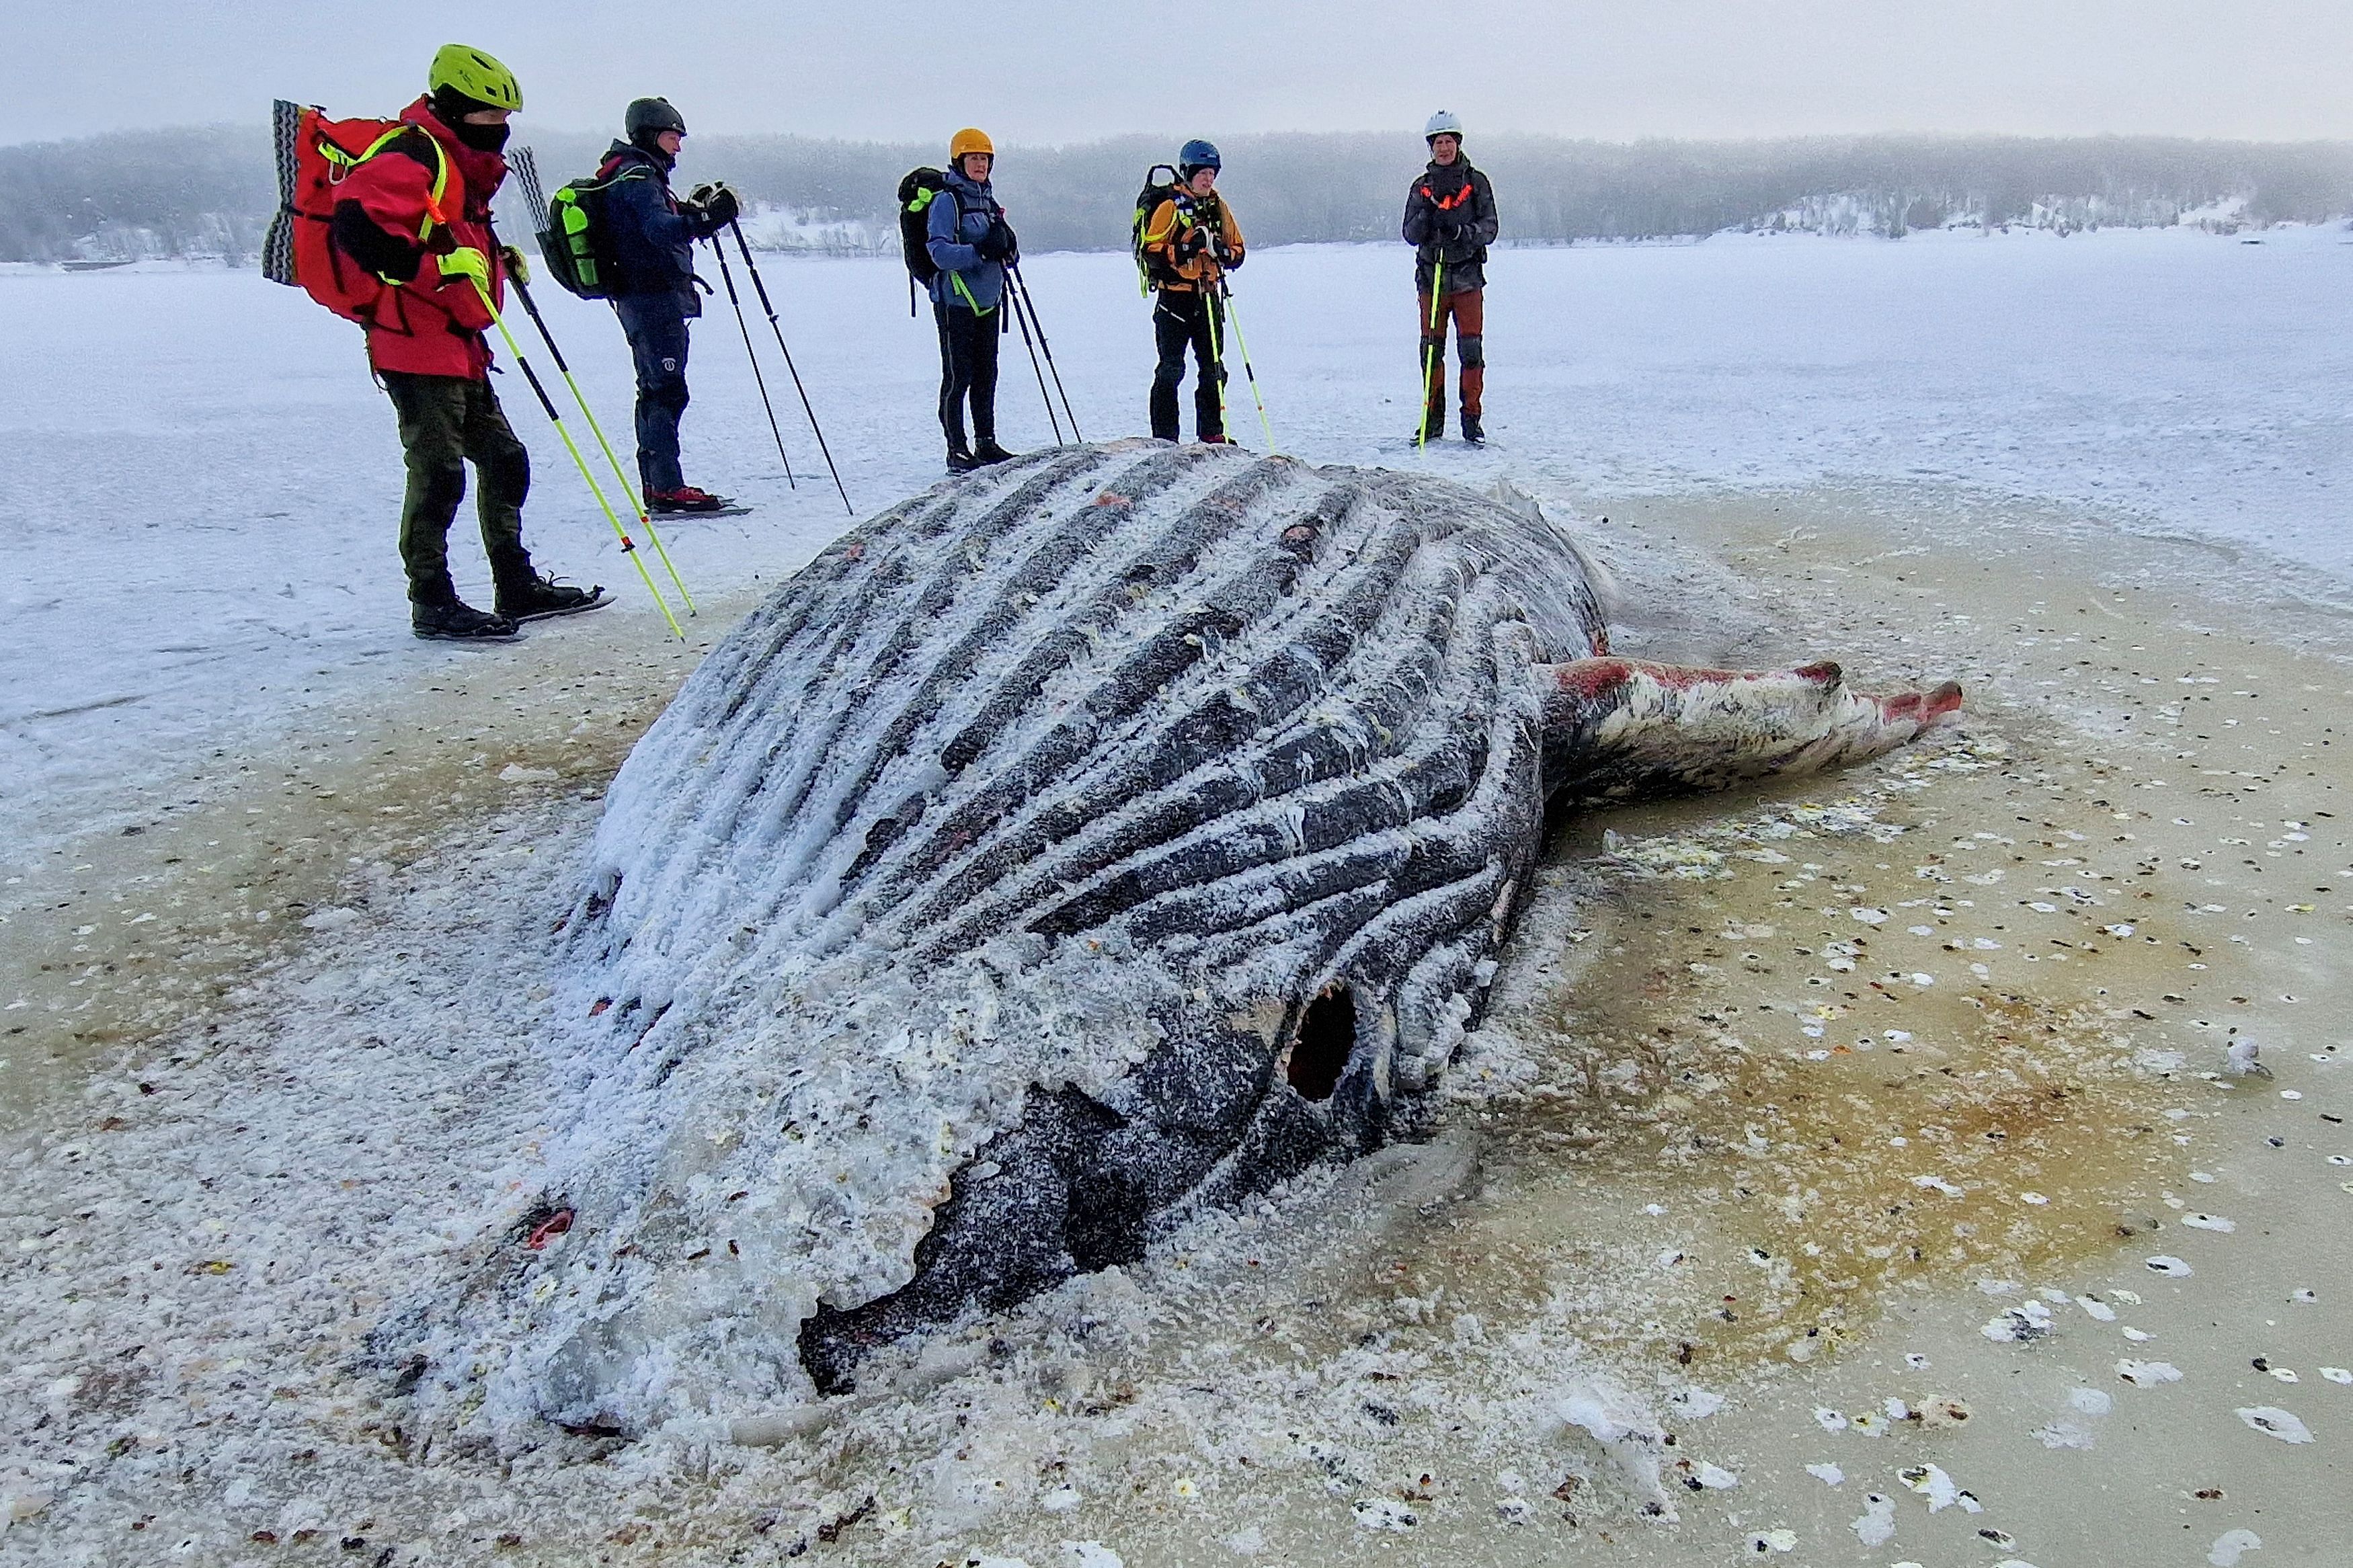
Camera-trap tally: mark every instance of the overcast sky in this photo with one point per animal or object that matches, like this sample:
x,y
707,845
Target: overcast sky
x,y
1063,70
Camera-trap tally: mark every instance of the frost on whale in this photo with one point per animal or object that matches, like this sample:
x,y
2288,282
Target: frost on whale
x,y
1089,838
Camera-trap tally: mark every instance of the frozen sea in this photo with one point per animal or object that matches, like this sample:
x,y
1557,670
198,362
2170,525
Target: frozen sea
x,y
202,482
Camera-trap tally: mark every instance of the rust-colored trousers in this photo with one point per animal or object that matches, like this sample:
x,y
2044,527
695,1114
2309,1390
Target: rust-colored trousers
x,y
1468,311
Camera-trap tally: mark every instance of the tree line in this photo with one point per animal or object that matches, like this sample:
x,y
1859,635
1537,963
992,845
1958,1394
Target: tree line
x,y
210,191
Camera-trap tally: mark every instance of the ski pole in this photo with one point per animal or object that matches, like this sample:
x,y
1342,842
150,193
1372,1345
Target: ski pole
x,y
629,545
1429,353
757,379
752,268
1029,301
1240,342
1021,319
645,519
1218,353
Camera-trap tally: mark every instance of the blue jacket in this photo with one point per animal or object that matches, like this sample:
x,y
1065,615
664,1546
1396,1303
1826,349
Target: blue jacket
x,y
652,240
959,215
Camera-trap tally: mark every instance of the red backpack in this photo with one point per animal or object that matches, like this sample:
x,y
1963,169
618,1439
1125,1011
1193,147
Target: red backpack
x,y
314,155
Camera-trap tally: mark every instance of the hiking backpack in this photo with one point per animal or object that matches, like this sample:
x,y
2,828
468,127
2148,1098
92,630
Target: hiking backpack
x,y
575,240
1147,202
314,156
917,191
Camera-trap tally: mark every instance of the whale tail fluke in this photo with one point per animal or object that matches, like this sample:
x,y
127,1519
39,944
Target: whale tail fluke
x,y
1619,727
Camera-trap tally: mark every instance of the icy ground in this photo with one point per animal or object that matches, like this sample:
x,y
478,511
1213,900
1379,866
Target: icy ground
x,y
201,482
1425,1357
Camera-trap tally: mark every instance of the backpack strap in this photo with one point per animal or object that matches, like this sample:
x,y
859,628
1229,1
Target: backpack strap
x,y
436,211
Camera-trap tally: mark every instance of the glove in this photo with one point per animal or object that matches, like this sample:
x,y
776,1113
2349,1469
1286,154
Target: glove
x,y
467,262
1231,261
517,268
1447,230
1190,244
717,204
998,243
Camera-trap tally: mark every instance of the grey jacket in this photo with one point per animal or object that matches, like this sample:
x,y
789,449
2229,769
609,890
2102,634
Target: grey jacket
x,y
1450,214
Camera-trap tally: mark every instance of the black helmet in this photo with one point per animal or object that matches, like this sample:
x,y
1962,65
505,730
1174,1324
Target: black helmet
x,y
649,117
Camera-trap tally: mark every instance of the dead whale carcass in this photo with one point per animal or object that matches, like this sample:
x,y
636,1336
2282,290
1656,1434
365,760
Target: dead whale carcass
x,y
1093,837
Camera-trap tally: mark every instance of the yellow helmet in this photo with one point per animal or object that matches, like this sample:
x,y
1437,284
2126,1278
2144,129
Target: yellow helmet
x,y
970,140
469,73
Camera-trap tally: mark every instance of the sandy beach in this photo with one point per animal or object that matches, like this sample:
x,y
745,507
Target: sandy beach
x,y
1848,1172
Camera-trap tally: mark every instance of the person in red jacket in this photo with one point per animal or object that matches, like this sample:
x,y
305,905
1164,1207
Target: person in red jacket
x,y
418,214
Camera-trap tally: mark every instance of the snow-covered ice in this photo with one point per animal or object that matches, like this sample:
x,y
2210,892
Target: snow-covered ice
x,y
202,482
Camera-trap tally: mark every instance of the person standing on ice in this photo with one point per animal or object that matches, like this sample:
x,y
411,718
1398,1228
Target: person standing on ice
x,y
970,243
652,238
418,215
1450,219
1190,242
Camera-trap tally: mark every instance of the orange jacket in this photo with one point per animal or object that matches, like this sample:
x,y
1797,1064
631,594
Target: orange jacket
x,y
1174,224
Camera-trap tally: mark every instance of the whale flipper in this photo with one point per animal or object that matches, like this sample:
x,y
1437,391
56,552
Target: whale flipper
x,y
1622,727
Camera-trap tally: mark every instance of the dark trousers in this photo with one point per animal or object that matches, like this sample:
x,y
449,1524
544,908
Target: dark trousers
x,y
655,325
1185,317
445,422
967,370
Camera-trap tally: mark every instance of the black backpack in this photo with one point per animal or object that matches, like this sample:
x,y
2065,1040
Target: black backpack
x,y
917,193
1147,202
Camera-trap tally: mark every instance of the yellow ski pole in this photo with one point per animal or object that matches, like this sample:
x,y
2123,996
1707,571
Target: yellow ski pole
x,y
1249,370
644,518
629,545
1429,352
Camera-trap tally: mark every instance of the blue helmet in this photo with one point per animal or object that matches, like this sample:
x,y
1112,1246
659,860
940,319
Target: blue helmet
x,y
1197,154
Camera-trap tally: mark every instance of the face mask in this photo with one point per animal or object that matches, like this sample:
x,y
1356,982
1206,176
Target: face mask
x,y
482,138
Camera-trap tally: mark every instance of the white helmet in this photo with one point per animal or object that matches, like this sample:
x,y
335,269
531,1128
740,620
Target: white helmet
x,y
1443,123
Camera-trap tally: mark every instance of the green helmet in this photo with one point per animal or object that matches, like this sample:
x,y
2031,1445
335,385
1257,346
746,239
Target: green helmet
x,y
469,73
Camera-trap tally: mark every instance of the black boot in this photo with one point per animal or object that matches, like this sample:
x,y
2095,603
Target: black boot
x,y
454,621
961,462
1473,431
532,597
1432,431
989,452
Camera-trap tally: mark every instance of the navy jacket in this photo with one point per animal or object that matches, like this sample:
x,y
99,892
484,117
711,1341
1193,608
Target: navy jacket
x,y
652,240
959,215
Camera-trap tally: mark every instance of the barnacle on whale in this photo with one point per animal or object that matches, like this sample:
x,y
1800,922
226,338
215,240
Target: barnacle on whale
x,y
1089,838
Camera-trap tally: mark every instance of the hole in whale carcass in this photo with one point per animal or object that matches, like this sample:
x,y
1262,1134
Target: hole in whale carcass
x,y
1327,1034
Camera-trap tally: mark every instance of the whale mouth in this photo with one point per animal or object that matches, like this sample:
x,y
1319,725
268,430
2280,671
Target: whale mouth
x,y
1328,1037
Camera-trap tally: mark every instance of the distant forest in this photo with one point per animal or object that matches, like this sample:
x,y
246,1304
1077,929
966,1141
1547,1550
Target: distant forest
x,y
209,192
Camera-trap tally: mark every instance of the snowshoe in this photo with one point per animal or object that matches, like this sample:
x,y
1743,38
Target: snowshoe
x,y
536,598
989,452
1473,431
961,462
456,622
685,499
